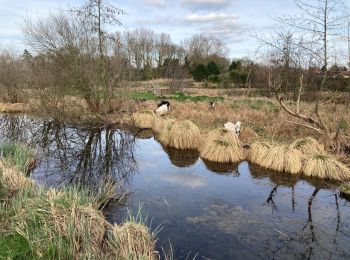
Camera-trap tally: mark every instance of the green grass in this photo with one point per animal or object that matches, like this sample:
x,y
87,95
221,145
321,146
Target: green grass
x,y
41,223
143,95
15,247
255,104
178,96
345,188
17,155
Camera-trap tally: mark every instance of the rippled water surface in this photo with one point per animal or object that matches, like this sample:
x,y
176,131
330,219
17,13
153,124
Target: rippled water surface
x,y
205,210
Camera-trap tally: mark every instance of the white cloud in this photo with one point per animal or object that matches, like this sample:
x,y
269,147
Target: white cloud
x,y
211,17
156,3
190,180
206,4
219,24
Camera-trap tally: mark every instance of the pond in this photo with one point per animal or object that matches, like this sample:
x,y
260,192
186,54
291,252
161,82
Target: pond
x,y
205,210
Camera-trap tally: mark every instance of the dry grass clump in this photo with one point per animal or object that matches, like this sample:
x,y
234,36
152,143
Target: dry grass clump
x,y
324,166
12,182
160,122
182,135
307,146
224,135
222,146
248,135
258,152
134,241
283,159
64,224
143,118
13,107
164,135
293,161
274,158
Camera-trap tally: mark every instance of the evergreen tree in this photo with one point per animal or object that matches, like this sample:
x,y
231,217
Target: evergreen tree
x,y
200,72
213,68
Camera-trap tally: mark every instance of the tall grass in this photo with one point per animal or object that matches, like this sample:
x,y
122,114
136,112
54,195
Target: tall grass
x,y
143,118
19,155
39,223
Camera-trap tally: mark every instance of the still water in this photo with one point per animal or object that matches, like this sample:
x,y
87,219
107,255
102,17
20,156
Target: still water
x,y
205,210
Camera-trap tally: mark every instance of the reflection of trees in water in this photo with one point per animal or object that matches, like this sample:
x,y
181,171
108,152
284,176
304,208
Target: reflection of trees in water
x,y
14,128
311,235
81,156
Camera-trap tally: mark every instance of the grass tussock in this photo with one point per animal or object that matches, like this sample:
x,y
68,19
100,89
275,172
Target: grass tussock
x,y
224,135
182,135
282,159
274,158
323,166
136,238
307,146
345,189
18,155
36,223
248,135
143,118
13,108
160,122
293,161
223,146
258,152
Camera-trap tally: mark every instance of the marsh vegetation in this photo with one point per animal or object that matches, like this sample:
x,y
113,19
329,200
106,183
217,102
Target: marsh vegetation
x,y
88,91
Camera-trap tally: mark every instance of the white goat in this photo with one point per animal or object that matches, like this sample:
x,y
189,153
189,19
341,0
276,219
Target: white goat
x,y
234,127
163,109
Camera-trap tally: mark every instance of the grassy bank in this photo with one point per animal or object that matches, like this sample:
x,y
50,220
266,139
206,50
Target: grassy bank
x,y
39,223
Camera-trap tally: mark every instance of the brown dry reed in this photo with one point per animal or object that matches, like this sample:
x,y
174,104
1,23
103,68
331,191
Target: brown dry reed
x,y
323,166
223,146
182,135
143,118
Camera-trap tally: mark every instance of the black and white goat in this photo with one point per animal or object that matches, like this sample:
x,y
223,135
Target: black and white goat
x,y
163,108
212,105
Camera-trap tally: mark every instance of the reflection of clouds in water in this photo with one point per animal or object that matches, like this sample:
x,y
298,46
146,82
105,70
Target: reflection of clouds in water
x,y
246,227
147,164
190,180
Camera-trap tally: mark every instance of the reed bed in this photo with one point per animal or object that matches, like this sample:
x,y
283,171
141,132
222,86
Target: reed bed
x,y
223,146
182,135
258,152
143,118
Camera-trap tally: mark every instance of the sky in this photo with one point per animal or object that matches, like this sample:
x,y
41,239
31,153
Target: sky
x,y
234,21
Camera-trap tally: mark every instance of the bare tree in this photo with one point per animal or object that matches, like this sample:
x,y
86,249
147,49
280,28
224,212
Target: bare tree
x,y
99,13
319,22
12,77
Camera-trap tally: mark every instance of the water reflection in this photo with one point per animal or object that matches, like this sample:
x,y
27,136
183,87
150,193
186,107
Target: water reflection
x,y
144,133
73,155
181,158
203,210
222,168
